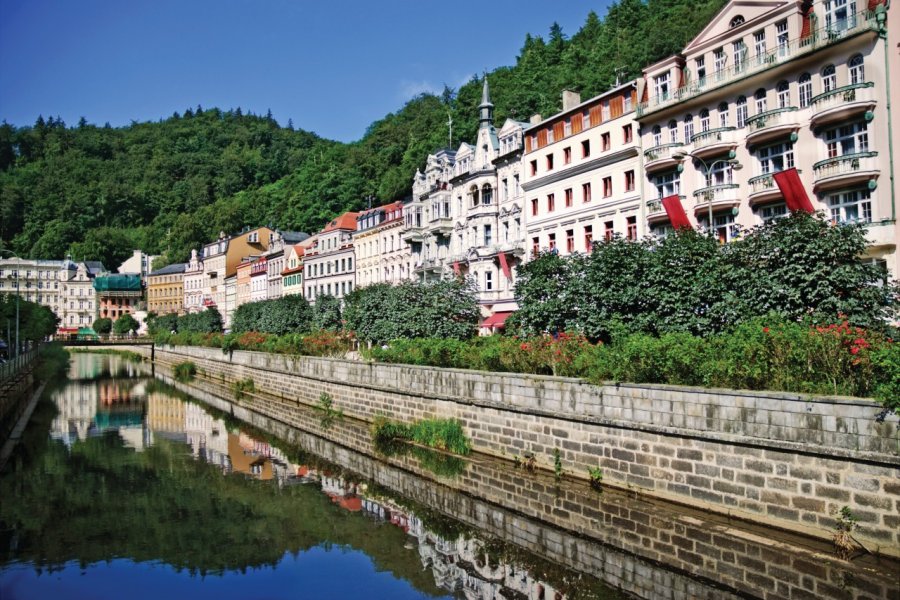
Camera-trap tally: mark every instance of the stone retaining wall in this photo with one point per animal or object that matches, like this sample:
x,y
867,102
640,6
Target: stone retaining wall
x,y
780,459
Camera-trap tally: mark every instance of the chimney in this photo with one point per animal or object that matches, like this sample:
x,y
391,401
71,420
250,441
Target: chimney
x,y
570,99
535,119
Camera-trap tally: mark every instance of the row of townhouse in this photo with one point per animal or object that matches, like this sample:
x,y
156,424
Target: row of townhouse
x,y
774,106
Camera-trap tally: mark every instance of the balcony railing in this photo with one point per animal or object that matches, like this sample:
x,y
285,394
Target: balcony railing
x,y
662,151
716,193
655,207
842,165
862,21
712,137
772,118
855,92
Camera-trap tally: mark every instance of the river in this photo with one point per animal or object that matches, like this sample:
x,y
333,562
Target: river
x,y
130,485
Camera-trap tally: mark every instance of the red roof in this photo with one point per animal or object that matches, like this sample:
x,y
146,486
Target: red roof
x,y
496,320
345,221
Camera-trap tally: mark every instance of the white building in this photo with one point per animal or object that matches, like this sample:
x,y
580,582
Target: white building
x,y
329,265
193,284
381,254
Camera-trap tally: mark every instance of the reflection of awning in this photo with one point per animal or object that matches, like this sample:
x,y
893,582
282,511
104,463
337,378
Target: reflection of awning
x,y
675,211
496,320
504,265
352,504
792,189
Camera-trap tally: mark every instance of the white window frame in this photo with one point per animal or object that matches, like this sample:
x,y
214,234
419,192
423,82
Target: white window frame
x,y
850,206
775,157
847,139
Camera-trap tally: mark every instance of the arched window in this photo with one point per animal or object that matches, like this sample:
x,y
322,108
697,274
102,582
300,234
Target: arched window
x,y
829,78
487,194
857,70
805,88
688,128
657,135
673,132
784,94
736,22
760,97
723,114
473,195
704,120
741,106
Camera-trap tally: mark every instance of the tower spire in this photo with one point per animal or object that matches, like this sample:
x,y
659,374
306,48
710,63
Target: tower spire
x,y
485,109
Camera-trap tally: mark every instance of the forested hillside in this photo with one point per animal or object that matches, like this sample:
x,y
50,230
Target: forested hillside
x,y
167,186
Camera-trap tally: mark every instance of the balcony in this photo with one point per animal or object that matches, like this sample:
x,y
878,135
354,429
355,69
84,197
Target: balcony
x,y
821,38
660,157
772,124
714,141
412,233
720,196
441,226
516,248
840,103
845,170
429,265
763,189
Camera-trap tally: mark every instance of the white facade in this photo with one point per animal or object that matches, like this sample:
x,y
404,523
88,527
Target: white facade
x,y
381,254
214,257
36,281
193,284
139,263
329,265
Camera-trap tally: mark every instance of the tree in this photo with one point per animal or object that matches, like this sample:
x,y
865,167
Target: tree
x,y
546,291
103,325
327,313
125,324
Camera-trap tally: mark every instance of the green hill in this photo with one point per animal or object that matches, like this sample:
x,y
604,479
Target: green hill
x,y
168,186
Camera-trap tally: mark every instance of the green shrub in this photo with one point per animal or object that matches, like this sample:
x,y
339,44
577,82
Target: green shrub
x,y
443,434
243,387
185,371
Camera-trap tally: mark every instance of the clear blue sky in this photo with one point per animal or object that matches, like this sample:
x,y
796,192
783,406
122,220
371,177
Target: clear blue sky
x,y
332,66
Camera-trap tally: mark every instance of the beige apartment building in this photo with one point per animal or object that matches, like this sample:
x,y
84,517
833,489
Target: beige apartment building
x,y
582,173
381,254
769,87
428,218
165,290
329,265
292,275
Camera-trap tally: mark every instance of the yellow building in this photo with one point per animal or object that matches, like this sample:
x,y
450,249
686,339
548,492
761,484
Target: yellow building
x,y
165,290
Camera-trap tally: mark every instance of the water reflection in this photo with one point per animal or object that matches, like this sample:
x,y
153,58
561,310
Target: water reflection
x,y
132,474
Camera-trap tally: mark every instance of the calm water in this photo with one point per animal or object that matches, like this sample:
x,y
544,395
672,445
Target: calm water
x,y
127,487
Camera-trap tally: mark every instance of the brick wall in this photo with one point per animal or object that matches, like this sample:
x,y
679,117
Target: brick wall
x,y
775,458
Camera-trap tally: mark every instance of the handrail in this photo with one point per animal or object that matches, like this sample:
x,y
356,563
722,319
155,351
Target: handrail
x,y
840,90
710,132
843,158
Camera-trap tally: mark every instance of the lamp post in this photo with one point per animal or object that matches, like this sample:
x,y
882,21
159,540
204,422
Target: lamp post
x,y
18,293
707,169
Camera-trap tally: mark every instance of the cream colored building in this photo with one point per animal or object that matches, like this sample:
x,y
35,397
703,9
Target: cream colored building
x,y
381,254
78,298
36,280
193,284
775,85
329,265
165,290
292,275
582,173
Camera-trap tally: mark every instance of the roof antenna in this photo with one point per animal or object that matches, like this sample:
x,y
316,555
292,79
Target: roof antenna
x,y
619,71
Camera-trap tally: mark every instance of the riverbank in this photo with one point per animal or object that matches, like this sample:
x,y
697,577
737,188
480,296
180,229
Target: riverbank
x,y
780,459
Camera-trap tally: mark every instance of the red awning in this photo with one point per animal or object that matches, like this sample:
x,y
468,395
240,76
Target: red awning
x,y
792,189
677,217
496,320
504,265
456,268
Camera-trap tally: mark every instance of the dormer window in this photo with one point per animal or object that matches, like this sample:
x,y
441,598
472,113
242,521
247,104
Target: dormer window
x,y
736,22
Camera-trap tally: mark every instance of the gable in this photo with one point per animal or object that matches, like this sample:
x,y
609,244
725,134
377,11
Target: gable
x,y
752,12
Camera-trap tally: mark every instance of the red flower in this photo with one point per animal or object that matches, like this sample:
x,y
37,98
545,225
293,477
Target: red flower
x,y
854,350
765,330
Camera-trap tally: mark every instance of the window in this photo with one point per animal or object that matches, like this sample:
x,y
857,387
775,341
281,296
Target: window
x,y
488,281
723,114
549,162
607,187
535,246
604,141
851,206
487,194
488,235
569,196
608,230
721,173
736,22
629,181
567,155
588,237
688,128
632,228
534,207
585,148
551,202
704,120
667,184
781,37
829,78
662,86
857,69
775,158
741,110
720,61
627,134
570,241
760,97
700,64
586,192
551,241
847,139
739,55
723,227
773,212
805,85
533,165
783,89
673,132
840,15
759,42
657,135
